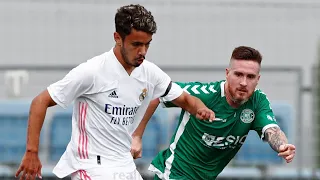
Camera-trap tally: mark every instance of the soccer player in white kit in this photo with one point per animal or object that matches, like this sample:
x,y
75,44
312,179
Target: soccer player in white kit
x,y
110,94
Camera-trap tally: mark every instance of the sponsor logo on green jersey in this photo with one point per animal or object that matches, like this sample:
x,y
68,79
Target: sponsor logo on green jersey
x,y
223,142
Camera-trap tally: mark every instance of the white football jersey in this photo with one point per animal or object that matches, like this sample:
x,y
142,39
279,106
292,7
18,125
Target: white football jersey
x,y
108,106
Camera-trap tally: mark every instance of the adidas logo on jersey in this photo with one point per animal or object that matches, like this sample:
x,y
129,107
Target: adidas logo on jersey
x,y
113,94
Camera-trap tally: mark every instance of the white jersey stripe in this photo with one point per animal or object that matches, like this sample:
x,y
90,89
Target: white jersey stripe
x,y
173,145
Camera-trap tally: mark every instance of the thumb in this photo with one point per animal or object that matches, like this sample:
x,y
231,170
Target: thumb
x,y
212,116
39,176
39,173
283,147
132,152
139,155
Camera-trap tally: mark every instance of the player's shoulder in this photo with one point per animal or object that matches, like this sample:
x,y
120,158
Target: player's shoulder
x,y
215,85
99,60
149,66
151,71
101,63
89,69
218,85
259,92
205,88
258,95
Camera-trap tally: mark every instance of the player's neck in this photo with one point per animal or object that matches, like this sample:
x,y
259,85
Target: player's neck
x,y
229,98
127,67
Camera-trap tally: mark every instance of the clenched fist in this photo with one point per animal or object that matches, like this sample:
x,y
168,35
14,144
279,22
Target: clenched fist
x,y
205,114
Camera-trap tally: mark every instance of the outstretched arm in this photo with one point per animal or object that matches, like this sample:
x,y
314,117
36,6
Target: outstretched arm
x,y
279,142
194,106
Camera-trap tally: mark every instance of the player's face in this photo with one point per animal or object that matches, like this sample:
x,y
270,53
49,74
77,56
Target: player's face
x,y
242,78
134,47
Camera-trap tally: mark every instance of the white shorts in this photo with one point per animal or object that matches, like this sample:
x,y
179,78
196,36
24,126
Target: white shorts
x,y
104,173
113,167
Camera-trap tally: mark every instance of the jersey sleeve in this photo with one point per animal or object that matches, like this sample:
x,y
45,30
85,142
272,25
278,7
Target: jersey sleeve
x,y
76,83
197,89
164,86
264,115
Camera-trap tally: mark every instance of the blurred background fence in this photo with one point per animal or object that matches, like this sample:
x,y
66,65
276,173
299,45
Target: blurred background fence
x,y
42,40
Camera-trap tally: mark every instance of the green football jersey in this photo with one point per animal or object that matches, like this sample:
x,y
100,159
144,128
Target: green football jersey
x,y
201,149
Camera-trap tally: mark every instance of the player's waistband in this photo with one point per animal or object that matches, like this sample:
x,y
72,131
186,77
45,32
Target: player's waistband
x,y
113,161
108,158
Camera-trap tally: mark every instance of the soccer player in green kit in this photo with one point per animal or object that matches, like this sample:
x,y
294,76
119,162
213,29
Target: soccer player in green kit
x,y
201,149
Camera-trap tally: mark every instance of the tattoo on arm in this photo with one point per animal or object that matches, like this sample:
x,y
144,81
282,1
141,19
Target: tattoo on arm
x,y
275,138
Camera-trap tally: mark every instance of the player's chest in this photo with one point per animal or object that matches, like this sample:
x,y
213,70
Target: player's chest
x,y
229,130
124,92
237,123
227,117
241,117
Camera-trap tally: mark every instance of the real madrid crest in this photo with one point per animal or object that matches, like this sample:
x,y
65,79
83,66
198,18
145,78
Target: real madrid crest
x,y
247,116
143,94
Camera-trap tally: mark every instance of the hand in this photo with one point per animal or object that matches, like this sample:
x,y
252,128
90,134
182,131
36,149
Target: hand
x,y
205,113
287,151
30,166
136,147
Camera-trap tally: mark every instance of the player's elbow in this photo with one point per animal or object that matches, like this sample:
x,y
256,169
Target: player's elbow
x,y
43,99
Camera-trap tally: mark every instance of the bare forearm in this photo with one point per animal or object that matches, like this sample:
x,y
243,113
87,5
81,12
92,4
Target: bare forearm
x,y
275,137
37,115
147,116
189,103
195,105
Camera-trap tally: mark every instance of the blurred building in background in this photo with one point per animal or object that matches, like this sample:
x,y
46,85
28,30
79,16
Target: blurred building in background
x,y
42,40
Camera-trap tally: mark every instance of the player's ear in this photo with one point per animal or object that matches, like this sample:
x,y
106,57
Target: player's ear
x,y
117,38
227,72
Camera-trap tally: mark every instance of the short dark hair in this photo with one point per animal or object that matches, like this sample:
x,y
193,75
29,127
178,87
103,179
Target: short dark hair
x,y
246,53
134,16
